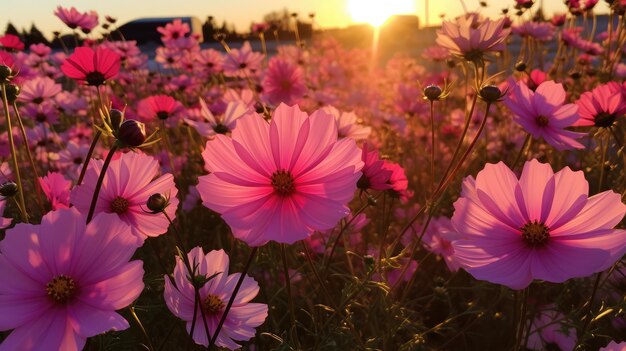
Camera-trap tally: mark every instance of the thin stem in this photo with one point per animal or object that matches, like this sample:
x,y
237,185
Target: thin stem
x,y
292,315
141,327
604,146
30,157
523,151
5,101
88,158
589,308
432,140
521,325
232,297
96,191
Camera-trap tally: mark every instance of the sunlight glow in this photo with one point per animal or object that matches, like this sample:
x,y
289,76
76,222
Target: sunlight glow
x,y
376,12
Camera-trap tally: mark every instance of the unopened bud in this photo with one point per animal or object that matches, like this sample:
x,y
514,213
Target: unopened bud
x,y
132,133
8,189
5,73
490,93
432,92
157,203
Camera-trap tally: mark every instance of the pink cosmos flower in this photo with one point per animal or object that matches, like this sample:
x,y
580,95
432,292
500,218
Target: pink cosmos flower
x,y
468,38
57,190
348,125
547,333
38,90
128,183
601,106
71,17
283,180
64,280
92,67
283,82
71,158
171,31
242,62
540,31
243,316
210,61
4,222
89,22
218,125
614,346
544,114
158,107
537,227
375,175
438,239
11,42
398,181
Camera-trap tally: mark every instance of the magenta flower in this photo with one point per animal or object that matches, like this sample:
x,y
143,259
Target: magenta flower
x,y
375,175
283,180
470,37
174,30
11,42
243,316
284,82
542,226
92,67
601,106
64,280
540,31
158,107
128,183
57,190
544,114
71,17
438,239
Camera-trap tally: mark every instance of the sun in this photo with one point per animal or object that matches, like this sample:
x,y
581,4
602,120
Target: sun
x,y
376,12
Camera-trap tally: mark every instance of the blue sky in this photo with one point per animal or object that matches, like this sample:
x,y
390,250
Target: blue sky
x,y
330,13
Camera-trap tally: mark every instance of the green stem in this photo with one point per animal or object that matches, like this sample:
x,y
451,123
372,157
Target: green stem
x,y
88,158
292,314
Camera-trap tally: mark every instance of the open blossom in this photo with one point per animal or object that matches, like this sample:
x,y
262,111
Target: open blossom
x,y
71,17
537,227
242,62
243,316
57,190
438,239
544,114
11,42
174,30
471,38
283,180
128,183
38,90
375,175
92,67
602,106
348,125
62,280
283,82
218,125
160,107
540,31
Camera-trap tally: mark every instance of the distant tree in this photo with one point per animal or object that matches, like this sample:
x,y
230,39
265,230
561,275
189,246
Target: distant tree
x,y
209,29
279,19
11,29
35,36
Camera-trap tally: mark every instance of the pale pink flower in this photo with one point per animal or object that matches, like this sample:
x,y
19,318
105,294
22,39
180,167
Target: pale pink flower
x,y
57,190
438,239
348,125
242,62
283,180
544,113
128,183
218,125
64,280
174,30
548,333
614,346
542,226
38,90
71,17
470,38
540,31
243,317
283,82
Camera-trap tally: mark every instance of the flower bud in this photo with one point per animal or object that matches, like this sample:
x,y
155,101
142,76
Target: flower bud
x,y
490,93
5,73
432,92
520,66
157,203
132,133
8,189
116,117
13,91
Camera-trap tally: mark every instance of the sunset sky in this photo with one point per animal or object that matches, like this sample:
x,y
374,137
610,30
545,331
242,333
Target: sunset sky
x,y
329,13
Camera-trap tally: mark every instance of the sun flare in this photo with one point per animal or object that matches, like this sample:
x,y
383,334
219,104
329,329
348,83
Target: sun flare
x,y
376,12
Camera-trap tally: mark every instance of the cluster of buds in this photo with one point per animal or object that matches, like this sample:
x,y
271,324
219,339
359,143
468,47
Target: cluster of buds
x,y
128,133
